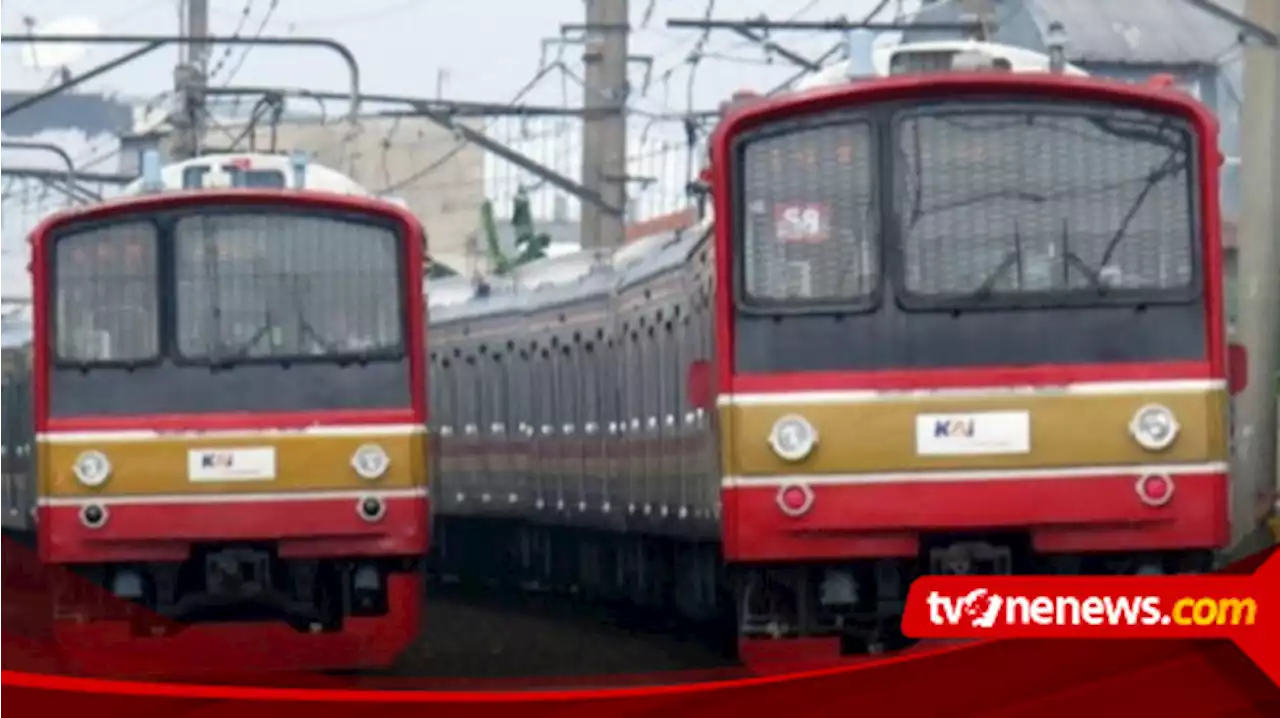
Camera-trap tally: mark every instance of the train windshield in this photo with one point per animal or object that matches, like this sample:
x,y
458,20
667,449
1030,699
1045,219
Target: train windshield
x,y
105,295
1014,202
263,286
810,218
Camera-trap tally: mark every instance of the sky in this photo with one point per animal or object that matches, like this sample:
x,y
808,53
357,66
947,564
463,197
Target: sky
x,y
483,49
480,50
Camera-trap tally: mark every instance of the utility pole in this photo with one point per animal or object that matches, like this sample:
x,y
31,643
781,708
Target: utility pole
x,y
189,80
1255,471
604,126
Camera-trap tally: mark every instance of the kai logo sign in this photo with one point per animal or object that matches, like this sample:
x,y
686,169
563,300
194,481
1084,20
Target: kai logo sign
x,y
977,434
249,464
217,460
960,428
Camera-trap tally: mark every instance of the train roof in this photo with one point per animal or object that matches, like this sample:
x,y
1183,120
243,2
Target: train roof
x,y
174,175
555,281
1019,59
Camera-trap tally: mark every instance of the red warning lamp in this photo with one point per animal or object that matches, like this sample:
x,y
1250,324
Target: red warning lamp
x,y
1155,489
795,500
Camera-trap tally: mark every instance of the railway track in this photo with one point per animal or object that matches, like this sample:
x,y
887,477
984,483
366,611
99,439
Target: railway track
x,y
500,638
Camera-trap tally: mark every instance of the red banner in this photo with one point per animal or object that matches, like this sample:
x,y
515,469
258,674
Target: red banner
x,y
1179,667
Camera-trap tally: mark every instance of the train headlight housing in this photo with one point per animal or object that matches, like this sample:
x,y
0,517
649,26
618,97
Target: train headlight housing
x,y
370,461
793,437
1154,427
92,468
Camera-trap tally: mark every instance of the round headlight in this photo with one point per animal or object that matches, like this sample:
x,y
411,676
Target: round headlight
x,y
1154,427
370,461
793,438
92,468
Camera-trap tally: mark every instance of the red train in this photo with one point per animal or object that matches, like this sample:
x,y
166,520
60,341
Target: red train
x,y
228,395
969,323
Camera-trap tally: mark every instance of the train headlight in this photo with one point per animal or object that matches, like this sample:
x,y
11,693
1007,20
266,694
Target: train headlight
x,y
370,461
793,438
1154,427
92,468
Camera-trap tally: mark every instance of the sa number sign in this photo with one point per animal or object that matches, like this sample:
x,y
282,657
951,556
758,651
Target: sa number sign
x,y
801,222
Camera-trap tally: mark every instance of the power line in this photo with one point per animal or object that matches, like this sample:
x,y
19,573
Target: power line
x,y
262,26
226,52
462,144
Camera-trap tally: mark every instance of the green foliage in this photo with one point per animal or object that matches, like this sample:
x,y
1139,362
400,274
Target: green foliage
x,y
530,245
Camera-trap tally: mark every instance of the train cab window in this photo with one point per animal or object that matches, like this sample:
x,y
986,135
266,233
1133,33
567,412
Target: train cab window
x,y
808,220
1003,217
106,294
275,285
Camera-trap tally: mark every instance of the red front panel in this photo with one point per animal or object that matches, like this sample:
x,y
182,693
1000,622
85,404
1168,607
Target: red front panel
x,y
1063,515
866,519
321,525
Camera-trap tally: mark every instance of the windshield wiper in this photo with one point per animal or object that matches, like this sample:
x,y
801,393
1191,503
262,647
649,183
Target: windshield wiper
x,y
223,360
1170,166
1070,258
1011,258
1014,259
310,331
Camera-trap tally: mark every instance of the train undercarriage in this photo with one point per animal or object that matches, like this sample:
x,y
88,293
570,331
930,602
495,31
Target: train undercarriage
x,y
232,609
766,615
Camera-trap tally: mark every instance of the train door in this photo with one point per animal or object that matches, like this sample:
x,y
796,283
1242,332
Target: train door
x,y
589,411
445,416
568,450
650,430
668,444
497,450
630,424
612,395
435,385
467,439
543,472
522,420
682,357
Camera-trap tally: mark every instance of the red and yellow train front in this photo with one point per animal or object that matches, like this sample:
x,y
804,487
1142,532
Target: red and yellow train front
x,y
230,405
972,324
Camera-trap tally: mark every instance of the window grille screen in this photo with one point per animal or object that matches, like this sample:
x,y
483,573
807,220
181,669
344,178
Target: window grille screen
x,y
106,291
273,285
1018,199
811,225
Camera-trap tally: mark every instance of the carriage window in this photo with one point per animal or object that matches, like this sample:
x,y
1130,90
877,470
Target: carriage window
x,y
281,286
106,294
1014,199
809,221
